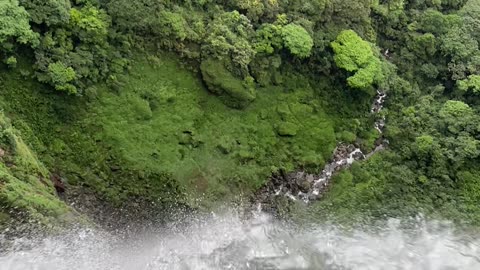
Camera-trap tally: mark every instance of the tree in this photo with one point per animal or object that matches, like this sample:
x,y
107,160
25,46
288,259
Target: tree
x,y
424,144
459,43
90,24
254,8
229,38
455,109
14,26
49,12
472,82
268,38
456,116
354,54
174,25
62,76
297,40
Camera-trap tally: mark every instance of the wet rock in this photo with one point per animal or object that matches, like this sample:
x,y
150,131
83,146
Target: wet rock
x,y
304,185
310,178
379,142
57,183
358,155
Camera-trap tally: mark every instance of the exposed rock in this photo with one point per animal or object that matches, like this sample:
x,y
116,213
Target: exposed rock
x,y
303,184
231,90
57,183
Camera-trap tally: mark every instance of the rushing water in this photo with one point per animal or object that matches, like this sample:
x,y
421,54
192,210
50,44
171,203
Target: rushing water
x,y
228,242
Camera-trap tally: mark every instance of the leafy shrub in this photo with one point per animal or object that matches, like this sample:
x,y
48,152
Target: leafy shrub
x,y
297,40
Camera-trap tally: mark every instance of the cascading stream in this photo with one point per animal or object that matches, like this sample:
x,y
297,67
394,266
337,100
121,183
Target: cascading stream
x,y
310,187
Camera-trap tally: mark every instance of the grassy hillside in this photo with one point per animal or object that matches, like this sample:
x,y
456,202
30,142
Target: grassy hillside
x,y
161,136
25,186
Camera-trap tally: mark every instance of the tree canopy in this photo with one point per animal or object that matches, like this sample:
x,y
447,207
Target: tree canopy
x,y
14,25
354,54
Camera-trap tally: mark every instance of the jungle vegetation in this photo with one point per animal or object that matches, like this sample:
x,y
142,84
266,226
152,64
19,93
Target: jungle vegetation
x,y
172,101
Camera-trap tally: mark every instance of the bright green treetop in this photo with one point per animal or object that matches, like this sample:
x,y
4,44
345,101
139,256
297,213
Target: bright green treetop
x,y
62,76
14,24
297,40
472,82
90,23
354,54
455,109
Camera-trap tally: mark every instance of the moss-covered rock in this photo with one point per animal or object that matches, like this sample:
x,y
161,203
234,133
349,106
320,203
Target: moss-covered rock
x,y
287,129
234,92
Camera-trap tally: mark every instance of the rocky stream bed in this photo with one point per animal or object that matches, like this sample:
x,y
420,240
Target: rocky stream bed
x,y
307,187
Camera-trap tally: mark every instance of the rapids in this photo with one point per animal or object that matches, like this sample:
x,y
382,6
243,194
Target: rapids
x,y
227,241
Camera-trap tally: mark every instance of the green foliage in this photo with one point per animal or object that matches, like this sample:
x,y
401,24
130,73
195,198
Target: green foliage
x,y
24,181
49,12
79,54
268,38
366,76
207,147
424,45
254,8
356,55
287,129
165,136
162,137
14,25
229,36
351,52
297,40
424,143
459,43
173,24
472,82
437,23
455,109
11,61
62,76
89,24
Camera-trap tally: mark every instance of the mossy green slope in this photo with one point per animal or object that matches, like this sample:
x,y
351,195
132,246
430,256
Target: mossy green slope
x,y
25,186
161,136
164,121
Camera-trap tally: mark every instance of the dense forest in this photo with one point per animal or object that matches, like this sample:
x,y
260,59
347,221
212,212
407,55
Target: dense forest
x,y
198,102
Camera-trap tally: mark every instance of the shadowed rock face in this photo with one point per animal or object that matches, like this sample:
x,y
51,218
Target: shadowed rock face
x,y
307,187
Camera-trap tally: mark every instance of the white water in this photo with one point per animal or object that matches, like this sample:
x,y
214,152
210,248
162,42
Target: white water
x,y
227,242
